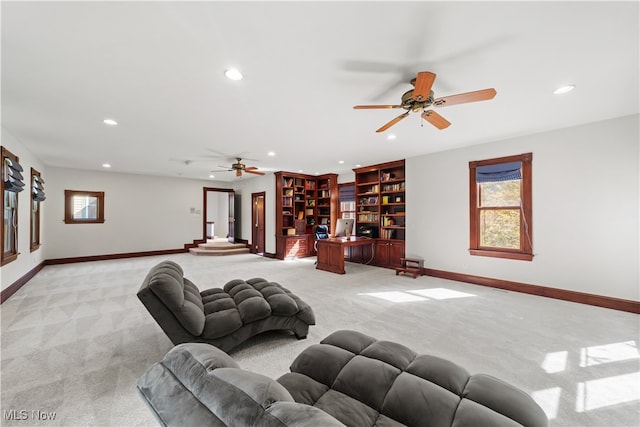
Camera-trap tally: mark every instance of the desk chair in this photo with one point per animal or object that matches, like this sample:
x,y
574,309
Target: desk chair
x,y
319,232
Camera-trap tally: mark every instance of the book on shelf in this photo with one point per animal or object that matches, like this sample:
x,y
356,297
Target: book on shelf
x,y
368,217
399,186
300,215
387,176
324,221
387,234
287,182
309,212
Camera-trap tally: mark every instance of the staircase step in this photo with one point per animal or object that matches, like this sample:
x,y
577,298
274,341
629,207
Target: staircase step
x,y
221,245
219,252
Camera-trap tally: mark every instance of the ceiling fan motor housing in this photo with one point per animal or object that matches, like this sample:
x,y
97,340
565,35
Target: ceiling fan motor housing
x,y
410,104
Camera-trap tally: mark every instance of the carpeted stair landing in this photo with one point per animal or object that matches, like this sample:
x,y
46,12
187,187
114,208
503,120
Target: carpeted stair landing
x,y
219,248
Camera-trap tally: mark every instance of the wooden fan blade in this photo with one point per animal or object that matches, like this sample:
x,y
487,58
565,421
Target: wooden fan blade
x,y
393,122
422,89
368,107
254,172
435,119
462,98
248,168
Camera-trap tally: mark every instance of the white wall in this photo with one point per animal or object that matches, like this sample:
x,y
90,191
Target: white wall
x,y
26,260
585,209
142,213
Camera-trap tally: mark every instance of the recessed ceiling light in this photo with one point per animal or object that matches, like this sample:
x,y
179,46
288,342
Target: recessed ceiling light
x,y
564,89
233,74
358,166
391,136
106,165
110,122
271,153
300,171
212,176
341,162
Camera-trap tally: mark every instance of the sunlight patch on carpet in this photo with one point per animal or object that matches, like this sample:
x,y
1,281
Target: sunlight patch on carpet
x,y
418,295
609,391
608,353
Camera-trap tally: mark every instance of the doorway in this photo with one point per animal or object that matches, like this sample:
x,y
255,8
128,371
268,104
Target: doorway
x,y
219,214
257,223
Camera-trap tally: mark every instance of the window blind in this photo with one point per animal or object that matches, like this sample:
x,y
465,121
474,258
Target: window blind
x,y
13,177
499,172
347,193
38,189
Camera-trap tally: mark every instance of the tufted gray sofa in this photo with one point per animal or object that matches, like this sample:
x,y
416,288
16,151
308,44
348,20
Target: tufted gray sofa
x,y
348,379
222,317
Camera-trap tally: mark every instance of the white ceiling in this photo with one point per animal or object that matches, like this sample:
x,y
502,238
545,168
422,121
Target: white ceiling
x,y
158,69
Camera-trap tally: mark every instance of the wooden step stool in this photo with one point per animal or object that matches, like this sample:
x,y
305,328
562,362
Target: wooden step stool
x,y
412,266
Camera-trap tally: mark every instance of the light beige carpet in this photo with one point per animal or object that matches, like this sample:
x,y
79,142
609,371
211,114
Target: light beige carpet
x,y
75,339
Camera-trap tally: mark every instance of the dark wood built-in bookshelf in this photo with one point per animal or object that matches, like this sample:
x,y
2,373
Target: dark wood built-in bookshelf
x,y
380,210
303,201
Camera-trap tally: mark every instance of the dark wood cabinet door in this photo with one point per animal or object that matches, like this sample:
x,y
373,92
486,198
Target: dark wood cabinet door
x,y
388,253
382,253
396,251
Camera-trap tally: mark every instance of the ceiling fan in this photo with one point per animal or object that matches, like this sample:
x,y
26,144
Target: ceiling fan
x,y
240,167
421,97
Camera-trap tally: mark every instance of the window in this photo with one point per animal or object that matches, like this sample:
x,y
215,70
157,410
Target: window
x,y
83,207
11,185
37,197
500,207
347,198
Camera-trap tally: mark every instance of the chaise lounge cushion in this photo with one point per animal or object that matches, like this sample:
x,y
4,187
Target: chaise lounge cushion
x,y
348,379
180,295
199,385
224,317
365,382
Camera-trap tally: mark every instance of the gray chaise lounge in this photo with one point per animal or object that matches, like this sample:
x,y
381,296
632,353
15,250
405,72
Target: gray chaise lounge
x,y
348,379
222,317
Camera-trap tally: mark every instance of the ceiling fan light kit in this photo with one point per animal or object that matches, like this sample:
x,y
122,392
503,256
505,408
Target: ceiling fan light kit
x,y
421,97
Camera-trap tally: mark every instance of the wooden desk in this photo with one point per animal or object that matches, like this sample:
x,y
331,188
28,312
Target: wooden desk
x,y
331,252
